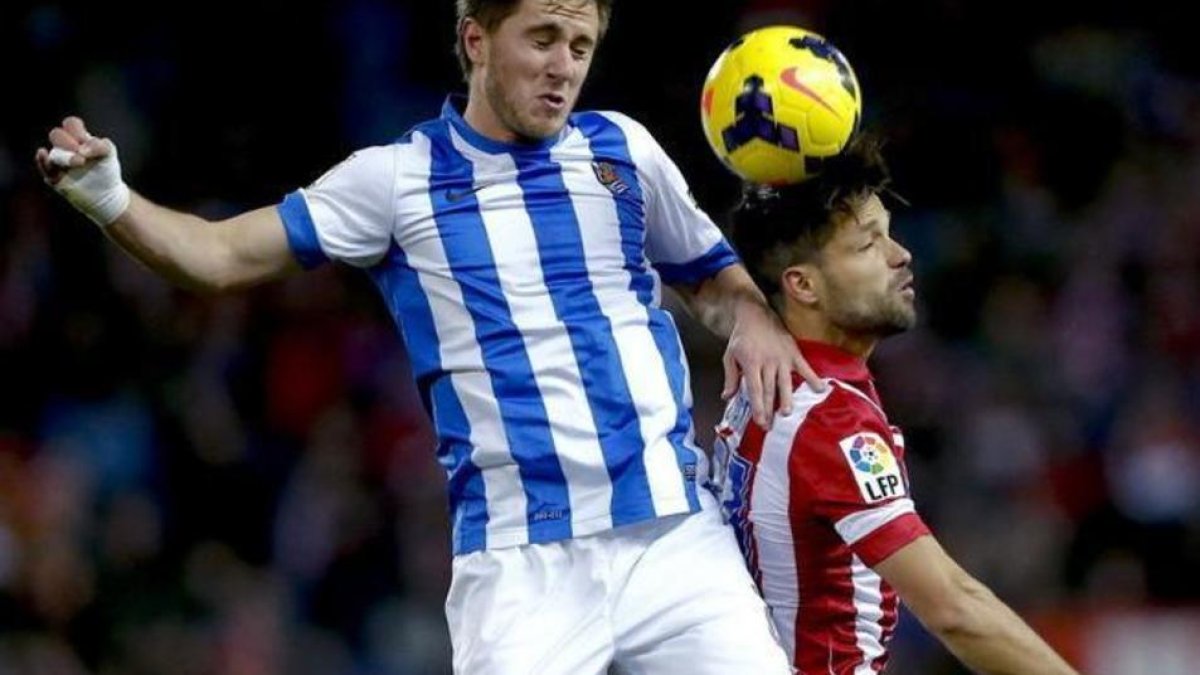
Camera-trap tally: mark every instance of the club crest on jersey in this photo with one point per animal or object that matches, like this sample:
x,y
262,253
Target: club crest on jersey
x,y
874,466
607,174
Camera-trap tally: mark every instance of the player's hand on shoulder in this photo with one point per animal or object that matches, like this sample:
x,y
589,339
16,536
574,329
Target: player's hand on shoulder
x,y
762,356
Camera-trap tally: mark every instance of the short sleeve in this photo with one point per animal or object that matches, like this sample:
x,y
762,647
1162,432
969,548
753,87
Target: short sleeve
x,y
854,476
347,214
682,242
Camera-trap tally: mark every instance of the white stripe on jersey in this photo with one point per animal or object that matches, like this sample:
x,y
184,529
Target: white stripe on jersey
x,y
668,201
769,497
642,363
690,441
854,390
868,606
858,525
514,249
463,359
632,134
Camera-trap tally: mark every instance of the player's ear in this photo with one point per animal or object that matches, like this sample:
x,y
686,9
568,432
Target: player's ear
x,y
472,35
801,284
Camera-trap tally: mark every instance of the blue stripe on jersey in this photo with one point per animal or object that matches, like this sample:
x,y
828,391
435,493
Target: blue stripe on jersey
x,y
608,143
301,232
706,266
565,272
402,291
526,423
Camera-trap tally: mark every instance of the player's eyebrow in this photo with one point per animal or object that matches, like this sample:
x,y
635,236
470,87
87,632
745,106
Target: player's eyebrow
x,y
872,223
549,27
552,29
876,220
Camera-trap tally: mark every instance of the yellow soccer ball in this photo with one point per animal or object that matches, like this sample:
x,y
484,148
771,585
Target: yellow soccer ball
x,y
777,102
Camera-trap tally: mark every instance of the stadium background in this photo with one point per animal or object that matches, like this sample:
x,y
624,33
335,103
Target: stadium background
x,y
246,484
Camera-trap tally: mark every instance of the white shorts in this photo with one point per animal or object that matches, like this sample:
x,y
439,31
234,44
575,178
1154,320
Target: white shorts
x,y
666,596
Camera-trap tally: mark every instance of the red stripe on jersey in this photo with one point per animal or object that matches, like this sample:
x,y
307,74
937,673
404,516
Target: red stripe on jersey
x,y
824,633
895,535
751,446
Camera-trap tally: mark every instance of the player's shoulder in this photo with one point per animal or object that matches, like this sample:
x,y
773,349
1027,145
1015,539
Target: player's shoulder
x,y
376,156
847,396
844,437
363,163
376,169
421,138
636,134
837,412
607,116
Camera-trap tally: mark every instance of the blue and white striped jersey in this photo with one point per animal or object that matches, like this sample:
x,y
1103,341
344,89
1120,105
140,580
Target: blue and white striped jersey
x,y
526,282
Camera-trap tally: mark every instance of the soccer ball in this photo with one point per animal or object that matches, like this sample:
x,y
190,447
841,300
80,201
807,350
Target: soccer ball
x,y
777,102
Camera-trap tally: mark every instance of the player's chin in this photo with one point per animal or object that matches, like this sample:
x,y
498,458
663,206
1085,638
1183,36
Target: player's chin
x,y
544,126
897,318
905,318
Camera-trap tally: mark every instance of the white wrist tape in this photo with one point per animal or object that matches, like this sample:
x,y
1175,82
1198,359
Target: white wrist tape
x,y
95,189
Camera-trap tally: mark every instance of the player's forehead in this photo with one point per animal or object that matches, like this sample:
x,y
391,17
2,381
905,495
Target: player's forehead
x,y
865,212
571,16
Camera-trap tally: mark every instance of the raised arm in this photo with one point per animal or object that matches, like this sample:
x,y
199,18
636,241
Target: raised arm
x,y
187,250
967,617
204,255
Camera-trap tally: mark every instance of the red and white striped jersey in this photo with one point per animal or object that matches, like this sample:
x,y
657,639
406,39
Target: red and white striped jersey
x,y
817,501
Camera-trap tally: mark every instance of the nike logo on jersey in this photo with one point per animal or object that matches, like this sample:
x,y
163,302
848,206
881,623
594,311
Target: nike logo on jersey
x,y
453,195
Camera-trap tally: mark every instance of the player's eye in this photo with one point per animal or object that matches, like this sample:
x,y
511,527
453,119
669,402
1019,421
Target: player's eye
x,y
872,238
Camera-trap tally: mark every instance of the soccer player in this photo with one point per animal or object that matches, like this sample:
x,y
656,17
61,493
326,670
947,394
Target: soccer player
x,y
521,249
820,501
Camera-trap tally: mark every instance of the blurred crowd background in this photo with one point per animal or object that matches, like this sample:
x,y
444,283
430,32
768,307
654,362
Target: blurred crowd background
x,y
246,484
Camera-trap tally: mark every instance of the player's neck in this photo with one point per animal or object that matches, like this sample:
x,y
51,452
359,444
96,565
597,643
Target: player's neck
x,y
480,116
807,324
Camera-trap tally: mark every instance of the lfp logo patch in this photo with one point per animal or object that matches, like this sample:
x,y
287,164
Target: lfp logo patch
x,y
875,468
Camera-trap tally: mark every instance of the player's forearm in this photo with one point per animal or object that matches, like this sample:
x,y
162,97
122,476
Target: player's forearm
x,y
990,638
720,302
182,248
186,250
177,246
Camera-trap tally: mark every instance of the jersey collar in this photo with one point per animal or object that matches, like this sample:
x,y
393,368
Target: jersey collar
x,y
830,361
452,111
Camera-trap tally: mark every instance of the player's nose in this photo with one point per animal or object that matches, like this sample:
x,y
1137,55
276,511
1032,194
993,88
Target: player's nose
x,y
901,257
559,62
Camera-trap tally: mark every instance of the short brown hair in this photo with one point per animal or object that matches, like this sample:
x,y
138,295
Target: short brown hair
x,y
491,13
774,228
